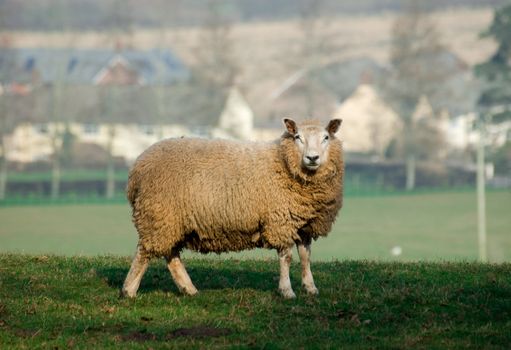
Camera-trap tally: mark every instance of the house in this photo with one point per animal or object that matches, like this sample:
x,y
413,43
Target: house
x,y
237,119
89,91
369,124
33,142
124,98
70,66
316,92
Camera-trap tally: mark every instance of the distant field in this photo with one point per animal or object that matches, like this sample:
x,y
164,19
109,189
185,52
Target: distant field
x,y
430,226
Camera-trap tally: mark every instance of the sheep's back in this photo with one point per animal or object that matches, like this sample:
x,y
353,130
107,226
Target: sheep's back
x,y
214,189
203,166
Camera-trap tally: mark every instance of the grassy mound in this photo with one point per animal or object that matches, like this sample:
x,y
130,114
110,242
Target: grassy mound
x,y
57,302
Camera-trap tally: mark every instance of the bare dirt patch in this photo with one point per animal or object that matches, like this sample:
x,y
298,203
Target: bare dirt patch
x,y
199,332
191,332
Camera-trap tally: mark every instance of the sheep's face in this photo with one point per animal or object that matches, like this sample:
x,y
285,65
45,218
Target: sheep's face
x,y
312,141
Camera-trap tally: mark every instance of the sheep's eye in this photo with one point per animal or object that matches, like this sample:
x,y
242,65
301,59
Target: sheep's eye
x,y
297,137
325,138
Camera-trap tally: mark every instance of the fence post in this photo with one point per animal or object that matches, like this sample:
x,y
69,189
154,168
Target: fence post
x,y
481,194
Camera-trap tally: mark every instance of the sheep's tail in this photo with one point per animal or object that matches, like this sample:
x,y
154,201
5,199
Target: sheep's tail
x,y
132,189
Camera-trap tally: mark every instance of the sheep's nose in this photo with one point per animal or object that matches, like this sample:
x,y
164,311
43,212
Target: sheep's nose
x,y
313,159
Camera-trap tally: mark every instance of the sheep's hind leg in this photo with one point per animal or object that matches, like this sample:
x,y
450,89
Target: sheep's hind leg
x,y
304,251
285,258
137,270
179,274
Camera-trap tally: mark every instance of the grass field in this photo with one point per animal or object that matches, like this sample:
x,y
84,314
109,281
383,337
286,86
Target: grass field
x,y
55,302
437,226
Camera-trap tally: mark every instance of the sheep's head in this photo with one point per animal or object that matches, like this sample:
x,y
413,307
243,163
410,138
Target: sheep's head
x,y
311,142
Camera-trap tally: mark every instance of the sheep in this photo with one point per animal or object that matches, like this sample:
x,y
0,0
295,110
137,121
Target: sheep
x,y
219,196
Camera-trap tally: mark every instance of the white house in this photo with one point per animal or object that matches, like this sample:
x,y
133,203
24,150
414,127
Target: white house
x,y
369,124
33,142
237,119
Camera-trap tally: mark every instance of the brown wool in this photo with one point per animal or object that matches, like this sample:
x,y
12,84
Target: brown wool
x,y
219,196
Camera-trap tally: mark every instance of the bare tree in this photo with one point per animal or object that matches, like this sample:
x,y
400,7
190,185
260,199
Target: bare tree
x,y
58,120
120,37
170,13
217,68
7,122
8,69
306,59
217,62
55,113
315,46
3,147
416,71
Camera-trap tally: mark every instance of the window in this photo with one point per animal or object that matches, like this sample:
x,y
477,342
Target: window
x,y
90,128
41,128
147,129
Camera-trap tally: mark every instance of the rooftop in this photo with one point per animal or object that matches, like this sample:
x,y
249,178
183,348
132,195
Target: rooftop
x,y
83,66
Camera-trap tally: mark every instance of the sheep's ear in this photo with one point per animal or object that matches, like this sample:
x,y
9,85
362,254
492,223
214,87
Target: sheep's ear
x,y
290,125
333,126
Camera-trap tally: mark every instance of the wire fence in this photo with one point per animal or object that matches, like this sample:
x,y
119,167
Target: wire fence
x,y
90,186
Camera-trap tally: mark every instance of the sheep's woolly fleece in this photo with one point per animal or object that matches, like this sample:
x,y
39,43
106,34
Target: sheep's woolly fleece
x,y
218,195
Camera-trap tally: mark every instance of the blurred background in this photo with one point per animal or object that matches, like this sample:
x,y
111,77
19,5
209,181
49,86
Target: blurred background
x,y
423,88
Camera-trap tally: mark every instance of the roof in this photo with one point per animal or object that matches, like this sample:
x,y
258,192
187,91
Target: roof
x,y
81,66
344,77
350,72
316,93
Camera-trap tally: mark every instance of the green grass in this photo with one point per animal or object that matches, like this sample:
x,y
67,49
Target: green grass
x,y
437,226
57,302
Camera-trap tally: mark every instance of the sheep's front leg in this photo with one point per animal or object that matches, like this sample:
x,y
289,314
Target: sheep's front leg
x,y
285,257
179,274
304,251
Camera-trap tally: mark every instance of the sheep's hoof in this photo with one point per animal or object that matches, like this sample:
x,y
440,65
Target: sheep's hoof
x,y
127,294
287,293
189,291
311,290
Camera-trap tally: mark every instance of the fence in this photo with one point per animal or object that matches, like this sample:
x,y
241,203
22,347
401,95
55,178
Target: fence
x,y
89,187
